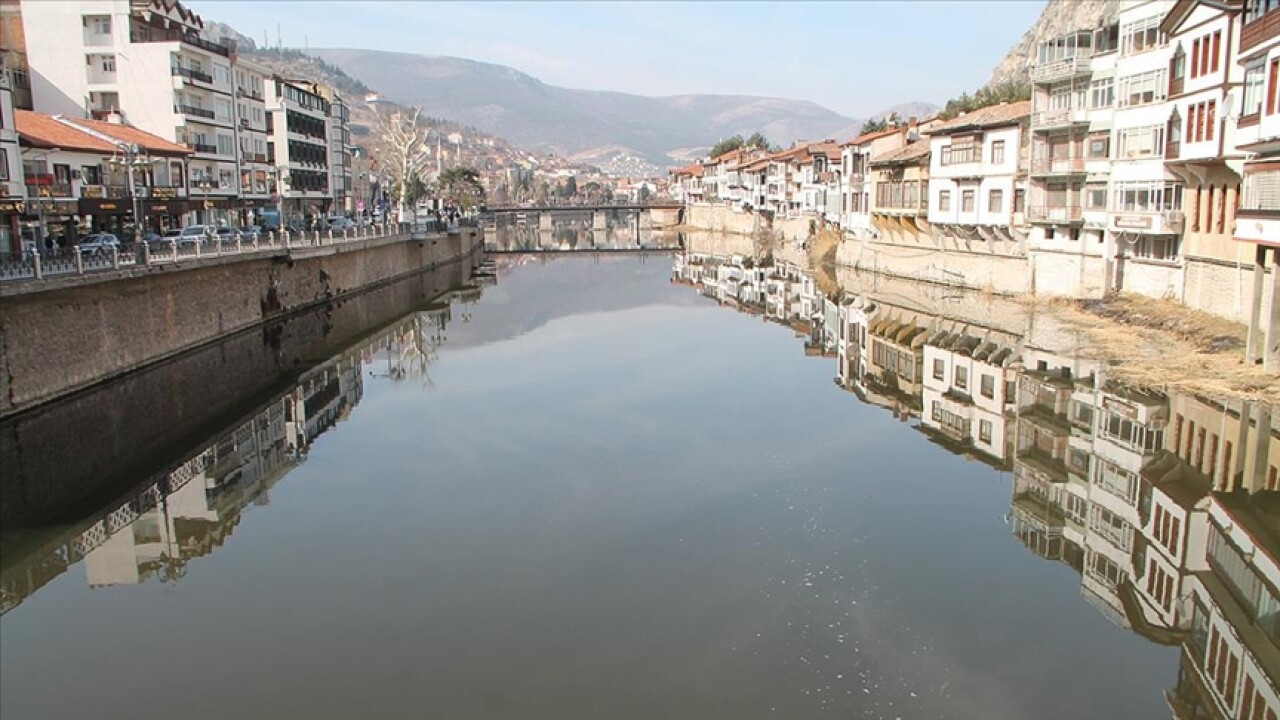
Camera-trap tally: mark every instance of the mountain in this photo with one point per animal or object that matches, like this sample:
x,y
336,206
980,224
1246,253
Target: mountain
x,y
583,124
1058,18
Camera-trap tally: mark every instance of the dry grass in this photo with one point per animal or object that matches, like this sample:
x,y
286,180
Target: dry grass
x,y
1162,344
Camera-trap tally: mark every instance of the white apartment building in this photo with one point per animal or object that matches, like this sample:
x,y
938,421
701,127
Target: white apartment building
x,y
147,62
1146,198
855,172
1073,99
341,182
257,172
11,191
975,185
969,388
299,148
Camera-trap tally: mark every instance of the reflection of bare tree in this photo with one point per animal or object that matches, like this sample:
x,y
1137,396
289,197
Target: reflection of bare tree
x,y
412,346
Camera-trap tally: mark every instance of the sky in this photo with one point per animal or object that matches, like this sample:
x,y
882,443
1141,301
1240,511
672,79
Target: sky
x,y
856,58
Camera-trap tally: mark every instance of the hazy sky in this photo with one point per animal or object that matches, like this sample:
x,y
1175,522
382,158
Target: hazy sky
x,y
855,58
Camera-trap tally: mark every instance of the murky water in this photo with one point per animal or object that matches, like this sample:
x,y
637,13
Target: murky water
x,y
627,487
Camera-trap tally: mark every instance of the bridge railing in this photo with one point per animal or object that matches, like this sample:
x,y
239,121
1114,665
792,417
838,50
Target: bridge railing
x,y
76,260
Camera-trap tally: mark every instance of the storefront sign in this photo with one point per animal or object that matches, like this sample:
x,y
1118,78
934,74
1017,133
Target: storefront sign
x,y
50,206
91,191
1132,222
164,193
94,206
12,206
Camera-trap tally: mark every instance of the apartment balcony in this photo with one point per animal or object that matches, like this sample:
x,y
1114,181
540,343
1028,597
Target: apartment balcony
x,y
1060,118
189,74
253,157
49,190
246,93
1063,69
1058,166
104,191
154,35
203,148
1260,30
192,111
962,155
1057,214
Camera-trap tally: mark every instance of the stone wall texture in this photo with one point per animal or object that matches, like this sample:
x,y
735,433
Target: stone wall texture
x,y
58,337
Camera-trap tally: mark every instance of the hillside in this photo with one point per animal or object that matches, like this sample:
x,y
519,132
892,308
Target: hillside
x,y
584,124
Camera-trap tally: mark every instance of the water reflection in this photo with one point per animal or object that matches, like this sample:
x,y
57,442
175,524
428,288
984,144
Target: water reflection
x,y
1164,504
189,511
577,236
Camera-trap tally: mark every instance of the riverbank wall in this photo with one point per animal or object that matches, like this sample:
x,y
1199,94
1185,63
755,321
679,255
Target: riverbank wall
x,y
63,335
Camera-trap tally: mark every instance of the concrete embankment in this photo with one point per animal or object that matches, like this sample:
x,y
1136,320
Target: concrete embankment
x,y
71,456
60,336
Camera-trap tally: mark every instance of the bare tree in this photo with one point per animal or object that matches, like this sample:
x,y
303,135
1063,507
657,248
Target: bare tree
x,y
403,149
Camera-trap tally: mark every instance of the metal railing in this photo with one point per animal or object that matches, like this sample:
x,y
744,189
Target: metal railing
x,y
191,74
197,112
57,262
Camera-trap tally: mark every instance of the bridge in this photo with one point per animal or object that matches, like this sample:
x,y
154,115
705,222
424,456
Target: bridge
x,y
583,208
642,216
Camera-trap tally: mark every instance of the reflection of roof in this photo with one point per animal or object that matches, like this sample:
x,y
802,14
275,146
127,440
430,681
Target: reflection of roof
x,y
987,117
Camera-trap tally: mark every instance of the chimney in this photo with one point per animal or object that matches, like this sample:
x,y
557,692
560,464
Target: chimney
x,y
913,129
114,118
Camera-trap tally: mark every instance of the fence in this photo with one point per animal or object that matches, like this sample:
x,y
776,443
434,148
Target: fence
x,y
78,260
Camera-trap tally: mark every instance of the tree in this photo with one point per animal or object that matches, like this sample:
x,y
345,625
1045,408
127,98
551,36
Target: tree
x,y
871,126
642,196
569,188
1011,91
758,141
727,145
401,147
461,185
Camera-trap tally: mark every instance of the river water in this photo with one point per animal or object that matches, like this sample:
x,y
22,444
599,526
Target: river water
x,y
626,486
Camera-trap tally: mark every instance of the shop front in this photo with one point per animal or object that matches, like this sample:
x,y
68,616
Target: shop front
x,y
52,222
11,210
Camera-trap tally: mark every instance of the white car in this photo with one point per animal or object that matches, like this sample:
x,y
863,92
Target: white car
x,y
341,223
98,244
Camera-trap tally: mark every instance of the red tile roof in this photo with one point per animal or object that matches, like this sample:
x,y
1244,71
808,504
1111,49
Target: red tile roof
x,y
45,131
868,137
694,170
991,116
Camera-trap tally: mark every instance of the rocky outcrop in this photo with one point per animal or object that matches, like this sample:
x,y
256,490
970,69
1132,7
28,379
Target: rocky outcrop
x,y
1059,17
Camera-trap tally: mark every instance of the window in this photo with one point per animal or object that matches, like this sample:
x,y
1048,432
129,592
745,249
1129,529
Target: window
x,y
1254,79
997,152
1158,247
1143,88
222,73
1201,120
966,200
91,174
1102,93
1159,585
939,369
4,165
1117,481
108,63
1255,9
962,377
995,201
1128,433
227,179
226,145
944,201
984,431
988,386
1095,197
1141,142
1019,201
1110,526
1237,571
1140,36
99,24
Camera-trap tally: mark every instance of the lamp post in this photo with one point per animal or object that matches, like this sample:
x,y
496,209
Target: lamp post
x,y
132,158
205,184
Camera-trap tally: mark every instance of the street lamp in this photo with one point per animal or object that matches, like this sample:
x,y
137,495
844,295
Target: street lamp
x,y
130,157
40,204
205,184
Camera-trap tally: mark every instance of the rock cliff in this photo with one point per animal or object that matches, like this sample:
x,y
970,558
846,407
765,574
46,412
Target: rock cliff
x,y
1057,18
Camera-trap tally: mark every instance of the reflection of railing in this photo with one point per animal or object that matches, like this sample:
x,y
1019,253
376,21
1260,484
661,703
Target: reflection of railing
x,y
1057,165
1060,213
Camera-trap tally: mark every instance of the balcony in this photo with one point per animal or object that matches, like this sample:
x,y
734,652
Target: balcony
x,y
245,93
203,148
1063,69
253,157
1062,117
1259,30
46,190
189,74
193,111
1055,214
153,35
1057,166
961,155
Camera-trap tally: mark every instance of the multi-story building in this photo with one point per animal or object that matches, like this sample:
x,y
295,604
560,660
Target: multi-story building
x,y
855,171
11,204
341,182
1146,217
299,148
77,170
976,184
969,388
899,203
257,174
1257,226
148,63
1073,80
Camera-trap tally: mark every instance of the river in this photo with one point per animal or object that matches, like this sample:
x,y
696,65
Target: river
x,y
660,485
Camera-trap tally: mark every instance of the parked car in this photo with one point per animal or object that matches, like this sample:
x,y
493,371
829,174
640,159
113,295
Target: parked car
x,y
99,244
249,233
341,223
151,238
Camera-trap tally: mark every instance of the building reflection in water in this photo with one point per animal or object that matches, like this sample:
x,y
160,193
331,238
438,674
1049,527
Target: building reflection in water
x,y
576,236
1166,505
190,510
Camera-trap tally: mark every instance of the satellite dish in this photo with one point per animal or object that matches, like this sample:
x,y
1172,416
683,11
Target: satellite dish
x,y
1229,104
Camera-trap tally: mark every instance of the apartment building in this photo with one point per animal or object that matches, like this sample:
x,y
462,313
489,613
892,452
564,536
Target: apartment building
x,y
900,200
1257,225
341,182
148,63
1073,98
969,388
11,190
976,186
257,172
855,172
299,148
